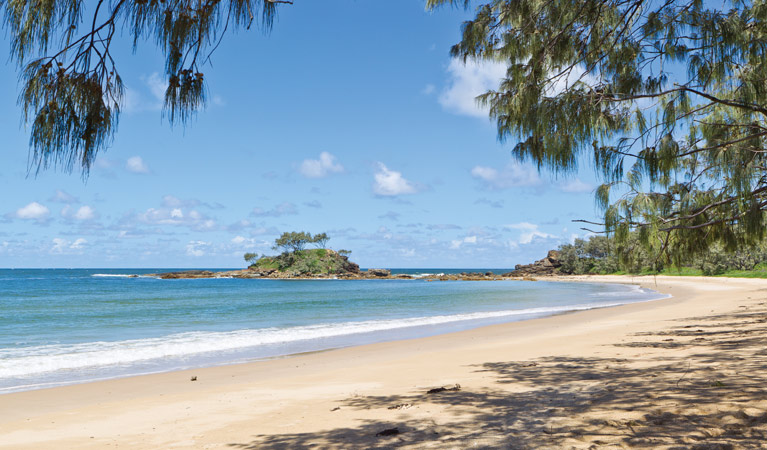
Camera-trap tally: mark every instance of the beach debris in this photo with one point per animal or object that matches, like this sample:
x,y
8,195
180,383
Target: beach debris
x,y
194,378
388,432
335,409
456,387
401,406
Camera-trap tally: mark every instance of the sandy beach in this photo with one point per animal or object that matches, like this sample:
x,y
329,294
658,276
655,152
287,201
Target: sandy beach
x,y
685,372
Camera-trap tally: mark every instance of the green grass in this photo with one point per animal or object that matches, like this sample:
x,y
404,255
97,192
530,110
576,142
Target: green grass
x,y
313,261
760,271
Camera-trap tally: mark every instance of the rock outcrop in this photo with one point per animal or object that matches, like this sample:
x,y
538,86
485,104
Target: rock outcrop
x,y
333,265
185,274
543,267
373,273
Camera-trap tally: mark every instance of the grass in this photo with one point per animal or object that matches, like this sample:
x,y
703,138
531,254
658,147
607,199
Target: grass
x,y
313,261
760,271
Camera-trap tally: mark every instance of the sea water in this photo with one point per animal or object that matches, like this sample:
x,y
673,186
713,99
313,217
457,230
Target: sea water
x,y
68,326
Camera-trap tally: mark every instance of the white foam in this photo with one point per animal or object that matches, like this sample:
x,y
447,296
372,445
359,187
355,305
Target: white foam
x,y
632,291
120,275
26,361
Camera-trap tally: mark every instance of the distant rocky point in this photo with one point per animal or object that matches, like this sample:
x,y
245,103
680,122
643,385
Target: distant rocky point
x,y
543,267
326,263
370,274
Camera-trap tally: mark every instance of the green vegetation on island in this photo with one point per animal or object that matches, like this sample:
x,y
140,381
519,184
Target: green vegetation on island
x,y
296,260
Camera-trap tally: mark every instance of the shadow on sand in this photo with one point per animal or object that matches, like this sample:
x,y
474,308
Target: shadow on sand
x,y
709,393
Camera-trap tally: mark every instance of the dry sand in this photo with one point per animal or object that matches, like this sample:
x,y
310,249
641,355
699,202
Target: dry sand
x,y
686,372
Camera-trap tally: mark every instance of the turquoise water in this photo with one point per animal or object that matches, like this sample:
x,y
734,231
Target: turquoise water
x,y
66,326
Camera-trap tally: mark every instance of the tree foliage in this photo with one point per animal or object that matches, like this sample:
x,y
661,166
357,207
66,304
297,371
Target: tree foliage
x,y
295,241
321,240
667,99
309,262
71,90
250,258
604,255
292,241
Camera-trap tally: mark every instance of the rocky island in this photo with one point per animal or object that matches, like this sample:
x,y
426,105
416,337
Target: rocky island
x,y
297,262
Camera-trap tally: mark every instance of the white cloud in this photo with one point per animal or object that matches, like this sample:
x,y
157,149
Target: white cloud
x,y
217,100
283,209
466,82
428,89
391,215
58,245
390,182
78,244
63,197
528,232
157,86
136,164
62,245
322,167
149,96
175,202
513,175
33,211
576,186
85,213
384,232
491,203
197,248
567,80
170,201
456,244
192,219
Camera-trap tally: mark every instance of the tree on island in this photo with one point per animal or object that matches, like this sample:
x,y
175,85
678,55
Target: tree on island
x,y
295,260
293,241
250,258
321,240
667,99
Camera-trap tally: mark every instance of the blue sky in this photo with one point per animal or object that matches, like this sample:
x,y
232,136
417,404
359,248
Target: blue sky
x,y
348,118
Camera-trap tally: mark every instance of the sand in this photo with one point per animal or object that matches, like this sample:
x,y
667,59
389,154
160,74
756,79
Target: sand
x,y
685,372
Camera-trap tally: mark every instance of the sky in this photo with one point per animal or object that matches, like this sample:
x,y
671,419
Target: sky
x,y
348,118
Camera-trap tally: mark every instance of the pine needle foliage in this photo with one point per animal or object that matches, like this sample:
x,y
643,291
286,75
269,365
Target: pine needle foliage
x,y
71,91
667,99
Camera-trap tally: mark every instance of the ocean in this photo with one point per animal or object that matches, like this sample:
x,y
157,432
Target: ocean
x,y
64,326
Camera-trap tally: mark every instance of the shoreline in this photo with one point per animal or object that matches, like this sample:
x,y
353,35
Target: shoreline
x,y
289,402
378,330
